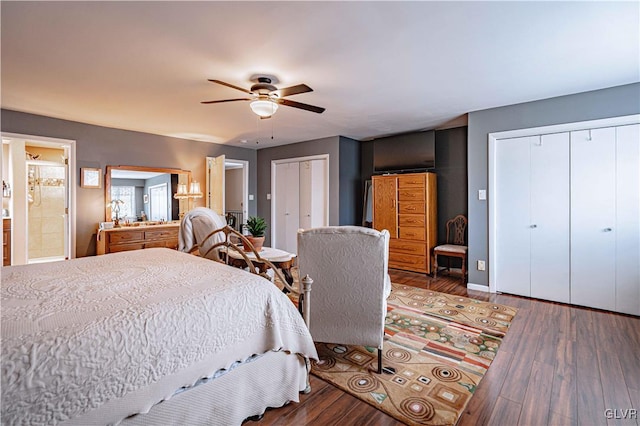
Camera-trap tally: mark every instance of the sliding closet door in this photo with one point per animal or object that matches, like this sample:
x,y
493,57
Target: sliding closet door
x,y
313,194
513,232
549,222
593,213
286,196
628,219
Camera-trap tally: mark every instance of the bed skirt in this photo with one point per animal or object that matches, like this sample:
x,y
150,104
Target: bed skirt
x,y
248,390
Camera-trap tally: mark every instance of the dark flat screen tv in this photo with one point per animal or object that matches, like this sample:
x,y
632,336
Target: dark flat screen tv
x,y
410,152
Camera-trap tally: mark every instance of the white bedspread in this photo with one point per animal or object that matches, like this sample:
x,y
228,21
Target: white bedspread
x,y
83,334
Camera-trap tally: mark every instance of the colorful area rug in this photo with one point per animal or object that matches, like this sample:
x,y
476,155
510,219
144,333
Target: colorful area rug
x,y
437,348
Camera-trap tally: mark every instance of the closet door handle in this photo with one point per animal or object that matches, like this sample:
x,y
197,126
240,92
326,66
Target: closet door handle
x,y
608,229
533,226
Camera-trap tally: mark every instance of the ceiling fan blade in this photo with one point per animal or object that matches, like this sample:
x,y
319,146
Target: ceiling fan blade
x,y
293,90
300,105
230,85
225,100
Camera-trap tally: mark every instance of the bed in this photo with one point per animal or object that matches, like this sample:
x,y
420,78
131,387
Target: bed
x,y
146,337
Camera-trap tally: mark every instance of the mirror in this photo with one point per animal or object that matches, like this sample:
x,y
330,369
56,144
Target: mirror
x,y
144,193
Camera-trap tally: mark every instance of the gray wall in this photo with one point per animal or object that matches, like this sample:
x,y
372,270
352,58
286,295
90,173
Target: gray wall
x,y
98,146
605,103
351,187
451,171
330,145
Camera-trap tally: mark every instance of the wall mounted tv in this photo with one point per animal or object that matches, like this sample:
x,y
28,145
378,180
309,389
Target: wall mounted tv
x,y
409,152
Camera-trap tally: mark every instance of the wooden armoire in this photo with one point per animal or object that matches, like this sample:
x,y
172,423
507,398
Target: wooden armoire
x,y
406,206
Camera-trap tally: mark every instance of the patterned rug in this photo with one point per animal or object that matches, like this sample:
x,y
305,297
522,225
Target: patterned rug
x,y
437,349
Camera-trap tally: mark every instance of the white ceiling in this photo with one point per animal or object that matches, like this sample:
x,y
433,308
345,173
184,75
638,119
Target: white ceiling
x,y
377,67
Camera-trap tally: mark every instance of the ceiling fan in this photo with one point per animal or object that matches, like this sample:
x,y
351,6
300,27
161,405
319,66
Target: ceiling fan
x,y
265,97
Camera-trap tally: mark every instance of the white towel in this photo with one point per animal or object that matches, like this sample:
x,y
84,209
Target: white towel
x,y
196,225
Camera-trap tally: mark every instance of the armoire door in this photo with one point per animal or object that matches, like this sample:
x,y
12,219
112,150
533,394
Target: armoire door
x,y
385,204
287,206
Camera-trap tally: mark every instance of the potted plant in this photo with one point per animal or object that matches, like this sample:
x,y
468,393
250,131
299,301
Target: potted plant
x,y
255,226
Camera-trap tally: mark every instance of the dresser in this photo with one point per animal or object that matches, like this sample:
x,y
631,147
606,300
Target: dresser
x,y
6,242
406,206
137,238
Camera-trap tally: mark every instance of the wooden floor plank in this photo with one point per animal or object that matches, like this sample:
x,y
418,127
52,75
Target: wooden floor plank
x,y
536,404
480,408
564,398
505,412
590,400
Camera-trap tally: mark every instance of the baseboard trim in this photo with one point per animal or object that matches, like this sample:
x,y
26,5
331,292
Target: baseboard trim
x,y
478,287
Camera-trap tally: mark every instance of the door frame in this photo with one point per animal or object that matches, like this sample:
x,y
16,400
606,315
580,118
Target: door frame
x,y
19,225
274,197
533,131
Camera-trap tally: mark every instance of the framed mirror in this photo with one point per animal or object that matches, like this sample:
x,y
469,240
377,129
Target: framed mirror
x,y
137,194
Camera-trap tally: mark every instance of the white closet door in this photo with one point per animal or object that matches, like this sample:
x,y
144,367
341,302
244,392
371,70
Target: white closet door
x,y
593,204
550,230
313,194
513,265
287,206
627,229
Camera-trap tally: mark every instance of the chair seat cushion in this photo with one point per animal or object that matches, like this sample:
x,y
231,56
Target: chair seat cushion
x,y
450,248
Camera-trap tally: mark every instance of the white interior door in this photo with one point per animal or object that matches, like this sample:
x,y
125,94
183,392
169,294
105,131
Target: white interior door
x,y
512,201
550,227
216,184
628,219
593,205
158,202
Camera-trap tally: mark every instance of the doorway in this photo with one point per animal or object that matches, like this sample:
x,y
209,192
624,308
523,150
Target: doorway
x,y
40,204
228,189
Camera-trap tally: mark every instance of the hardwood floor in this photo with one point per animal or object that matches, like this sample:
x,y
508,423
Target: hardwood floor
x,y
558,365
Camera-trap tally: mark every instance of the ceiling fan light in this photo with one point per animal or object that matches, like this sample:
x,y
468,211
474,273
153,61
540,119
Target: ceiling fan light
x,y
264,108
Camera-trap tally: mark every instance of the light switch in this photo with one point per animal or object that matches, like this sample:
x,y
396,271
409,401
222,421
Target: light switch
x,y
268,196
482,194
250,197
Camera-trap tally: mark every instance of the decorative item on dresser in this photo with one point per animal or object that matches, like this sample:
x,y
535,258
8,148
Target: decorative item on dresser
x,y
406,206
138,237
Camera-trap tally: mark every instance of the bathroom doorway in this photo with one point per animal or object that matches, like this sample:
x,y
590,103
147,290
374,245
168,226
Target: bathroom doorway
x,y
40,205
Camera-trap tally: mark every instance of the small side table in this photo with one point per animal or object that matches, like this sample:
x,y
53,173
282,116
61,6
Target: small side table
x,y
279,258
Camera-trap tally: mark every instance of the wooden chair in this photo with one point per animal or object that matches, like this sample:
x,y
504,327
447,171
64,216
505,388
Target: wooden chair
x,y
455,246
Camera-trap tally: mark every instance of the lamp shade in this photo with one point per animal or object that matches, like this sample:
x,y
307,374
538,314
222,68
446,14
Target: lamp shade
x,y
264,107
181,192
194,190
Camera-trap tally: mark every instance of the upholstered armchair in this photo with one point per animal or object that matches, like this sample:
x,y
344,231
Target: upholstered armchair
x,y
196,226
351,284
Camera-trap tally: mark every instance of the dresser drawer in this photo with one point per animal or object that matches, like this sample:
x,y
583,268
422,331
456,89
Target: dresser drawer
x,y
411,207
408,262
411,181
407,247
125,247
158,234
172,244
411,194
125,236
415,220
411,233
